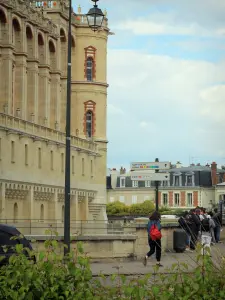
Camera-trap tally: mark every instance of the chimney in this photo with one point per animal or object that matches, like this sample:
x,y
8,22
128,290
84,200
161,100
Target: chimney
x,y
213,173
178,164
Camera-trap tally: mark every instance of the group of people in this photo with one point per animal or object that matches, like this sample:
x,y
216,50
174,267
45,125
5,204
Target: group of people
x,y
195,223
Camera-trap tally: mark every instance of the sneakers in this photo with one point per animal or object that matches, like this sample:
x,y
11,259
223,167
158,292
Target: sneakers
x,y
145,261
188,250
159,264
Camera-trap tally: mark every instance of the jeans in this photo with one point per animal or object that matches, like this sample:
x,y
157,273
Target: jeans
x,y
188,240
217,233
154,245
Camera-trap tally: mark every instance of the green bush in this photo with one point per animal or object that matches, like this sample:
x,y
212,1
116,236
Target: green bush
x,y
56,277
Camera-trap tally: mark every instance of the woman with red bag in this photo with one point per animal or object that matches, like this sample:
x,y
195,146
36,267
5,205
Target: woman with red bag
x,y
154,237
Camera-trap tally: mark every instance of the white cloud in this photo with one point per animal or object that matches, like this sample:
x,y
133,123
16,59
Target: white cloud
x,y
180,101
113,110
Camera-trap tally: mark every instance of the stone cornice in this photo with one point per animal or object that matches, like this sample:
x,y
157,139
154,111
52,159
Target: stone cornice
x,y
96,83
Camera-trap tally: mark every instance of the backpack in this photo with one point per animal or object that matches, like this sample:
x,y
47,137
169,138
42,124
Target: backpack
x,y
205,224
154,233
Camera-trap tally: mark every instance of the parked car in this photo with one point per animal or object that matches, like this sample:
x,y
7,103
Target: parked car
x,y
6,234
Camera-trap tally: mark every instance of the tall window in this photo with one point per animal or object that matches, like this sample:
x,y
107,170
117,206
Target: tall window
x,y
134,199
42,212
82,166
12,151
176,199
122,199
26,154
189,199
89,70
15,212
72,164
134,183
111,199
89,122
39,158
165,199
62,162
51,160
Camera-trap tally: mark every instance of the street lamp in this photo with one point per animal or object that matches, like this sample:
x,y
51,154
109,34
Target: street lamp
x,y
95,18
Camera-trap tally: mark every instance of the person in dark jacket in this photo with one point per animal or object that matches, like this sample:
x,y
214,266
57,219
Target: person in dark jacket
x,y
185,223
218,222
195,227
155,245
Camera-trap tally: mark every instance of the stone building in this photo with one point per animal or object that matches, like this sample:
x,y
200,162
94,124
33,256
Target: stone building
x,y
188,187
33,78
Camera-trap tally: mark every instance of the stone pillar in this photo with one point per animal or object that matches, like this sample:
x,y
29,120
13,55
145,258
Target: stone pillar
x,y
55,97
86,209
2,201
21,86
57,211
6,82
43,95
32,91
31,202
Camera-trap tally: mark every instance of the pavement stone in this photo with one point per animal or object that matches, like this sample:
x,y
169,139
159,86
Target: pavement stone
x,y
136,267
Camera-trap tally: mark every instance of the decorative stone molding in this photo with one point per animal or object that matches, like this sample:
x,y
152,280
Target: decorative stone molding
x,y
40,196
16,194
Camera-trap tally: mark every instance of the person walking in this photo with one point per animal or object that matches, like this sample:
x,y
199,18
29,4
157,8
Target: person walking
x,y
212,226
154,238
185,224
195,228
218,222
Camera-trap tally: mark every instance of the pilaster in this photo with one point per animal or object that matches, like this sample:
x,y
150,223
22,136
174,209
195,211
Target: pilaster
x,y
2,201
32,91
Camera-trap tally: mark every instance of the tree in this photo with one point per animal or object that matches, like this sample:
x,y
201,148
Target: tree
x,y
117,209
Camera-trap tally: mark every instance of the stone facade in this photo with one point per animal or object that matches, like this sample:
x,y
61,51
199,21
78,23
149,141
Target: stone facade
x,y
33,78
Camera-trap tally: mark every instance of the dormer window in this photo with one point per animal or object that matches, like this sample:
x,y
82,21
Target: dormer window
x,y
122,182
177,179
189,179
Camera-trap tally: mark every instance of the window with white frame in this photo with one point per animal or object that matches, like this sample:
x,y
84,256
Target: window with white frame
x,y
147,183
134,183
111,199
177,179
122,199
189,199
122,182
176,199
165,199
134,199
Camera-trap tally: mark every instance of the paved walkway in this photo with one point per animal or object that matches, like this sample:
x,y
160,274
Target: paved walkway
x,y
168,259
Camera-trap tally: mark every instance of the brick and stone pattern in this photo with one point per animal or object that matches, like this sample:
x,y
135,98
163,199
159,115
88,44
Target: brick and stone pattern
x,y
170,198
182,196
195,198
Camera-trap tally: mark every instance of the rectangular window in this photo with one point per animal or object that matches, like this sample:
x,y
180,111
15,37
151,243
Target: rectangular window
x,y
122,199
122,182
91,168
189,199
134,183
39,158
111,199
62,162
177,181
134,199
148,183
52,160
176,199
82,166
12,151
26,154
73,171
0,148
165,199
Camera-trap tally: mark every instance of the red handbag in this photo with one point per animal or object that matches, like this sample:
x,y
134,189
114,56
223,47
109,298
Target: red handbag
x,y
155,234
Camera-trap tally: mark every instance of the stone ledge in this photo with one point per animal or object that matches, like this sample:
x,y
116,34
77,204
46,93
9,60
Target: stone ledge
x,y
84,238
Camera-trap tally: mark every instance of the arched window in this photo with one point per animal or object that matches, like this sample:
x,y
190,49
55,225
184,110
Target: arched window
x,y
15,213
89,123
30,46
89,68
3,27
63,211
16,34
41,50
52,55
42,212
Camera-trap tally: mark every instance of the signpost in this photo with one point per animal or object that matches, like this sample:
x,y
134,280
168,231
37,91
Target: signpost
x,y
142,176
142,171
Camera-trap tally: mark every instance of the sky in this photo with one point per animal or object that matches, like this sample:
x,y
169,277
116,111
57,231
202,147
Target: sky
x,y
166,75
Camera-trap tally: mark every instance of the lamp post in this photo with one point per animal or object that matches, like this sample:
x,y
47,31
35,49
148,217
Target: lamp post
x,y
95,18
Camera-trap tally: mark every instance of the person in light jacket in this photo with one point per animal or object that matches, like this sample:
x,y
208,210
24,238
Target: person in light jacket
x,y
155,245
